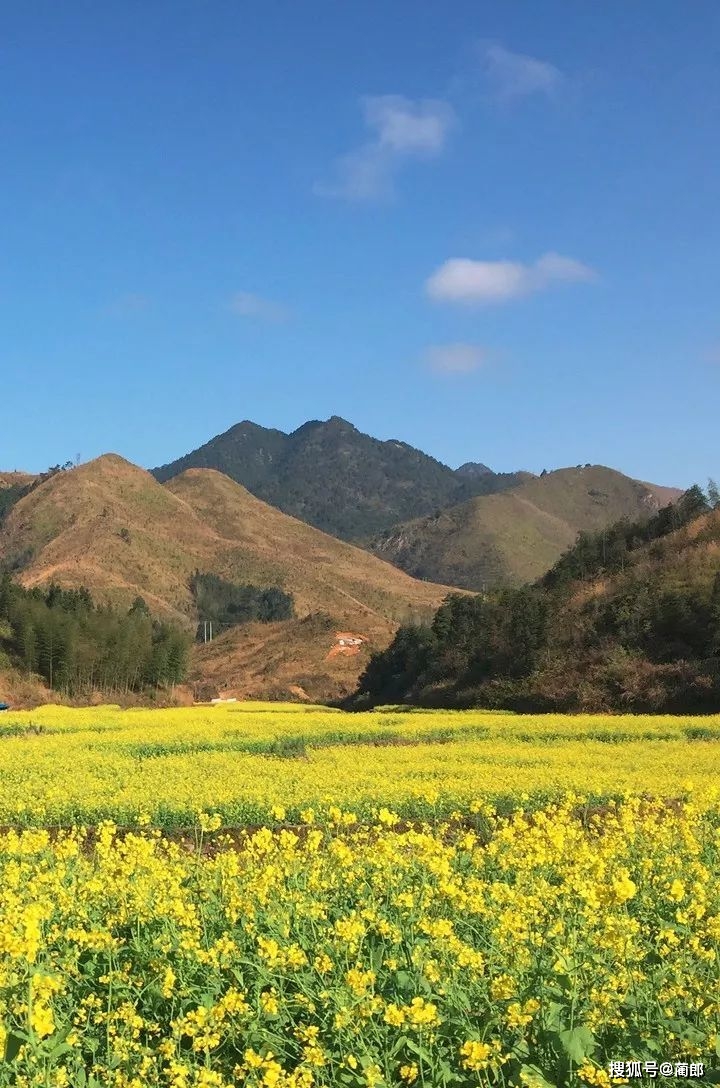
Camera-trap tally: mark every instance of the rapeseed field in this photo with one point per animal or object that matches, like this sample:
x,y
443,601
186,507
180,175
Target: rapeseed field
x,y
290,897
62,766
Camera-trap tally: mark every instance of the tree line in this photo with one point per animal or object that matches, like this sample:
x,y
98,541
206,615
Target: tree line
x,y
227,604
608,550
77,646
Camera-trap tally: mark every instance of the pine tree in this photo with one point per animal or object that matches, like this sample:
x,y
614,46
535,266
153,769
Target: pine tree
x,y
27,644
715,616
6,591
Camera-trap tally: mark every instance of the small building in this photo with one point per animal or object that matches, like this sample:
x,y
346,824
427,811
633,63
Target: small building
x,y
347,643
346,638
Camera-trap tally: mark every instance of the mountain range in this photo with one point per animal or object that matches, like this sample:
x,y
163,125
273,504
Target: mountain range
x,y
110,526
338,479
425,528
468,527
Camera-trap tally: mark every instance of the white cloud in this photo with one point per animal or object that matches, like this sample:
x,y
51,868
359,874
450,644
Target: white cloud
x,y
402,129
247,304
456,358
408,127
489,282
516,75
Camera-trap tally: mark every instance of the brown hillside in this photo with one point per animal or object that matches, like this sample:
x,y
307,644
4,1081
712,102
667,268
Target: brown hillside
x,y
13,479
517,535
662,495
322,572
109,525
286,660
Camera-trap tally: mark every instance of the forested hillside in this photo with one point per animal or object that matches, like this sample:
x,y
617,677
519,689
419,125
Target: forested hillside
x,y
336,478
78,648
225,604
628,618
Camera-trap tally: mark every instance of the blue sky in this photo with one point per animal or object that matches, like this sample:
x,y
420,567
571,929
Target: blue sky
x,y
488,229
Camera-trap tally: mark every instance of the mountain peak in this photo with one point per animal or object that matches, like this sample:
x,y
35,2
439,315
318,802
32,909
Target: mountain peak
x,y
248,426
474,468
332,425
111,460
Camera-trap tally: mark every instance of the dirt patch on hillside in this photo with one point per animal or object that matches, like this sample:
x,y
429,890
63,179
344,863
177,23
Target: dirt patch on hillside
x,y
347,644
292,659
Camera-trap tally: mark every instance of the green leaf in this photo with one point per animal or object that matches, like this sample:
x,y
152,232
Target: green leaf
x,y
376,957
403,980
398,1045
444,1074
418,1051
578,1043
12,1045
555,1016
520,1050
61,1048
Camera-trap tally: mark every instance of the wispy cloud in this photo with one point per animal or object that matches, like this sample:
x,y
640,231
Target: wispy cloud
x,y
402,129
491,282
247,304
517,75
456,358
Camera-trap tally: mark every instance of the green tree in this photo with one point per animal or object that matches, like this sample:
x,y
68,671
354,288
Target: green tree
x,y
715,616
691,504
6,593
390,674
26,641
525,630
